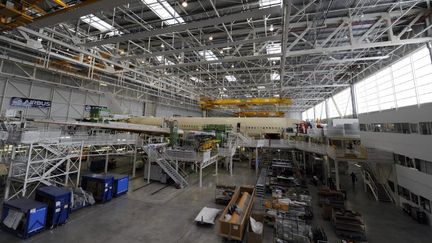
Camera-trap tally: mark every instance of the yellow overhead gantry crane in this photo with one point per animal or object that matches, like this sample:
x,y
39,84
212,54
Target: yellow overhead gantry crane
x,y
260,114
14,14
243,102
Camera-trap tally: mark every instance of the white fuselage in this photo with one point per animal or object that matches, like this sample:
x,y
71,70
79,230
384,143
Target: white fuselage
x,y
252,126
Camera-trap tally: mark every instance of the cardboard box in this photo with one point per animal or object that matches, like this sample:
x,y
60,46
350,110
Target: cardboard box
x,y
235,231
253,237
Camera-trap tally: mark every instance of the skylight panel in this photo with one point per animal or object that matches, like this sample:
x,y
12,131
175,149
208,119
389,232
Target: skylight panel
x,y
230,78
163,60
268,3
165,11
261,87
208,55
99,24
274,76
196,80
274,48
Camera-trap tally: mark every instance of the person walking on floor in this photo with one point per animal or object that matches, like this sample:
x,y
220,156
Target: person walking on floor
x,y
353,178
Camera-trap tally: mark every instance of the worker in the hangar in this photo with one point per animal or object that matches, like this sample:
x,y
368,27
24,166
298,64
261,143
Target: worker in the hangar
x,y
353,178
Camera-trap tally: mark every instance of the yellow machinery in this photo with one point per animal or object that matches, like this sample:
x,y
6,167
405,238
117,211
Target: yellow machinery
x,y
260,114
208,144
18,13
244,102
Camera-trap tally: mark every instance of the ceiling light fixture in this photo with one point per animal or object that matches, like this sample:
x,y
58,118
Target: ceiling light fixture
x,y
221,51
409,29
162,45
184,4
211,38
271,27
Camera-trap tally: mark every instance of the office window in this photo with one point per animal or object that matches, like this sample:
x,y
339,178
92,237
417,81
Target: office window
x,y
389,127
414,127
425,204
425,128
414,198
363,127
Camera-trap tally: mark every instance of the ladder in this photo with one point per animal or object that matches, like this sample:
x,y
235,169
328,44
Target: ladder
x,y
166,163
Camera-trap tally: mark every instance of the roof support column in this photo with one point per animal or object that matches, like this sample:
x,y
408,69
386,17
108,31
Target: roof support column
x,y
286,15
353,101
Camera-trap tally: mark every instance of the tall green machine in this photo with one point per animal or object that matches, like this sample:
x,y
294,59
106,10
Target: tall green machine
x,y
173,126
219,129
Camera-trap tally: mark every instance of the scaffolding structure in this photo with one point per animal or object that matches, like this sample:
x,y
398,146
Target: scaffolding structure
x,y
48,164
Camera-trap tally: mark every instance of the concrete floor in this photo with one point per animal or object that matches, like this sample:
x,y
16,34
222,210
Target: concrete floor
x,y
168,215
384,222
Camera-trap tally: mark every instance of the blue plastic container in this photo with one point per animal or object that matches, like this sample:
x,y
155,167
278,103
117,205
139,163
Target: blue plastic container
x,y
101,186
58,200
121,184
33,216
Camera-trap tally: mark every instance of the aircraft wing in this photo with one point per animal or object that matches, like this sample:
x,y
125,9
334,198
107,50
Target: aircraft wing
x,y
121,126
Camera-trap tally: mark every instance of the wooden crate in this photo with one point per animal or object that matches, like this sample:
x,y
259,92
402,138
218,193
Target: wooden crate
x,y
235,231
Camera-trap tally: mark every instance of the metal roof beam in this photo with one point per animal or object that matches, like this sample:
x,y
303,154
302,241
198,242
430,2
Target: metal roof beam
x,y
256,13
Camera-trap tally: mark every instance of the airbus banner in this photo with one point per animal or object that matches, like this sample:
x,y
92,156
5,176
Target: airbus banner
x,y
31,103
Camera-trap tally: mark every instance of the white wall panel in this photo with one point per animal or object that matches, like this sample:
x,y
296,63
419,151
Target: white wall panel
x,y
66,103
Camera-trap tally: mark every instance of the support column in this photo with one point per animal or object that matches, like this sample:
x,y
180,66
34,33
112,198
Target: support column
x,y
106,163
79,165
304,160
200,176
336,162
429,46
134,162
327,168
256,161
353,101
149,160
231,165
326,103
294,159
216,169
88,158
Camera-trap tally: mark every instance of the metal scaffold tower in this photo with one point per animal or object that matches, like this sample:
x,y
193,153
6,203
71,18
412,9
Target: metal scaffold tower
x,y
48,164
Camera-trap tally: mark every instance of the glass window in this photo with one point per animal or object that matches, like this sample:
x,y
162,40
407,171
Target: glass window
x,y
425,128
414,127
406,82
414,198
425,204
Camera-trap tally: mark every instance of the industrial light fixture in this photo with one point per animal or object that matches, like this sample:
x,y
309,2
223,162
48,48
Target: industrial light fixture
x,y
162,45
271,27
211,38
184,4
409,29
232,65
221,51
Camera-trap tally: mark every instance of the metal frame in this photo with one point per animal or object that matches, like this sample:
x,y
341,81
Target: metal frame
x,y
325,45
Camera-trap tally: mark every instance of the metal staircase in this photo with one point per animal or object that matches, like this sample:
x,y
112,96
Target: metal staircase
x,y
165,162
379,190
245,140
